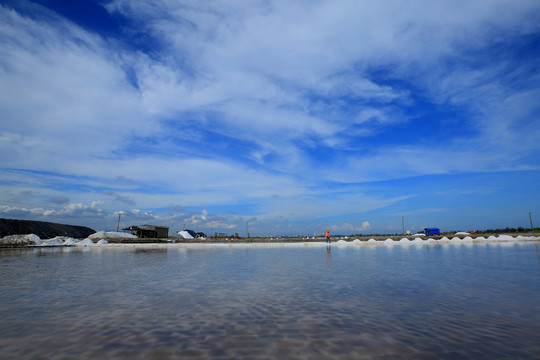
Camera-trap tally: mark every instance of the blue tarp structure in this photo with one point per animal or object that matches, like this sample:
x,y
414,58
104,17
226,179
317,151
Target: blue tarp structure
x,y
191,232
432,231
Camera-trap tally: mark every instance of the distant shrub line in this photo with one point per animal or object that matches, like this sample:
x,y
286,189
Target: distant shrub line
x,y
512,230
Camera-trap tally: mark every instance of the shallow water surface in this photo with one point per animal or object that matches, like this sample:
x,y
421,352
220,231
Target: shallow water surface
x,y
476,301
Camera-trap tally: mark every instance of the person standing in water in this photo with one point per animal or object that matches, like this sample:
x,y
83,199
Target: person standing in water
x,y
327,232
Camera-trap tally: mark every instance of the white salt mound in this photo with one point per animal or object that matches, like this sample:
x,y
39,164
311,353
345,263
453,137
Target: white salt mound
x,y
102,242
111,235
185,234
70,241
97,235
33,238
28,239
57,241
62,239
86,241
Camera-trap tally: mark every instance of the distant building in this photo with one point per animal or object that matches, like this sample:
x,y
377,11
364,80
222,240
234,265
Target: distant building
x,y
148,231
432,231
225,235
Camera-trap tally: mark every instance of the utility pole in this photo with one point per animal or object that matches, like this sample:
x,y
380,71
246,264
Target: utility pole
x,y
247,233
403,225
530,219
120,214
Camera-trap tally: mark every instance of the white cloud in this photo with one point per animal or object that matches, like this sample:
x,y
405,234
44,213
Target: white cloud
x,y
254,64
284,79
348,228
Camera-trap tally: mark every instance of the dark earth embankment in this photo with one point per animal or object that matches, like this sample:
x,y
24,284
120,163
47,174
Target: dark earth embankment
x,y
45,230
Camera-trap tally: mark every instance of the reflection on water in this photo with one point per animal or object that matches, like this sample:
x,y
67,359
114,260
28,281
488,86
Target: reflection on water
x,y
328,255
442,301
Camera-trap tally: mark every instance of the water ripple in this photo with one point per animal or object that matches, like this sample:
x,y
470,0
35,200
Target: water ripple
x,y
380,302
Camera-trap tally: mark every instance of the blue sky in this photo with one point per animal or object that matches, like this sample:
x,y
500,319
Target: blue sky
x,y
291,116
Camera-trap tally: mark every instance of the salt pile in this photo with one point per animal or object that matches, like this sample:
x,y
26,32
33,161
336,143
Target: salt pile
x,y
59,240
111,235
29,239
70,242
34,240
185,234
86,241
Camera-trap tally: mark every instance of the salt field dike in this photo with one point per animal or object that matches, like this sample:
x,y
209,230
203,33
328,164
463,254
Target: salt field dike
x,y
49,237
112,238
25,233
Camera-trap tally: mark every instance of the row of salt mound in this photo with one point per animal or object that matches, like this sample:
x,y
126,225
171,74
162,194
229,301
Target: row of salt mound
x,y
32,239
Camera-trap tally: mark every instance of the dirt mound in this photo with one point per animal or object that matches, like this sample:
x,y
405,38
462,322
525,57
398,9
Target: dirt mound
x,y
45,230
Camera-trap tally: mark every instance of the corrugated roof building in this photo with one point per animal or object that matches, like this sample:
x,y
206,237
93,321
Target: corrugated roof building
x,y
148,231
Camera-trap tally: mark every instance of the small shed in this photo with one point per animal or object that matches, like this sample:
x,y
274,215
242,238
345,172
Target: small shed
x,y
148,231
432,231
